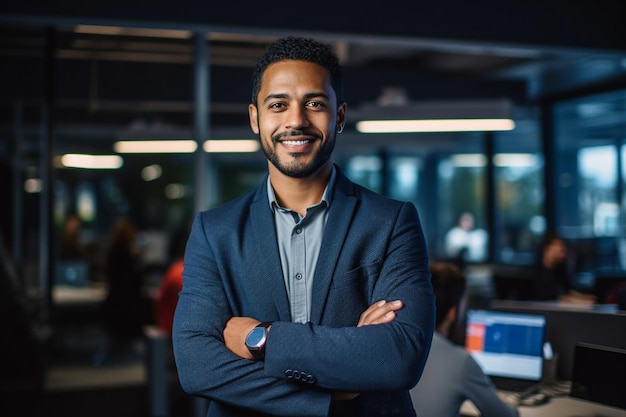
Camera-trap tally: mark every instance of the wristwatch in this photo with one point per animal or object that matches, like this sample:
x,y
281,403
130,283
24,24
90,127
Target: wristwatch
x,y
255,341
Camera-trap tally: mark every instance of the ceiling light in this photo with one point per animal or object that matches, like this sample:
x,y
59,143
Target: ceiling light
x,y
175,191
434,125
151,172
128,31
155,146
519,160
87,161
480,115
469,160
231,145
33,185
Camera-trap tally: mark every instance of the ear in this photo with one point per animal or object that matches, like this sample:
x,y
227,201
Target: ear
x,y
253,114
341,117
451,315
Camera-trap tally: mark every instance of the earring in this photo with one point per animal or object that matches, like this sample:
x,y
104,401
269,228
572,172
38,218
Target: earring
x,y
340,129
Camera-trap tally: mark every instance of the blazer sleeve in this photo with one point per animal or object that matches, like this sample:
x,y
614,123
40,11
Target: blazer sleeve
x,y
206,367
382,357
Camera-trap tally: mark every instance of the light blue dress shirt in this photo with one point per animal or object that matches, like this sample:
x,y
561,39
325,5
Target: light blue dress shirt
x,y
299,243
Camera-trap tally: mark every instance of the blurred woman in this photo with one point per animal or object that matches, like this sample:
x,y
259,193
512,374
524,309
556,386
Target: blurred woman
x,y
124,304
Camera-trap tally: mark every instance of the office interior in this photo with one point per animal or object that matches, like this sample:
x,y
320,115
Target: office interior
x,y
79,82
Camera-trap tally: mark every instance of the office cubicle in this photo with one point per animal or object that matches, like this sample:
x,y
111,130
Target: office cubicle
x,y
570,324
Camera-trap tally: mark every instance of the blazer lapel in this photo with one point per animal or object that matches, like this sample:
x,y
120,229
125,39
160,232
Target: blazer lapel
x,y
341,212
269,266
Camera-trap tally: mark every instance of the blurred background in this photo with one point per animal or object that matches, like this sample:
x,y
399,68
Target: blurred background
x,y
82,83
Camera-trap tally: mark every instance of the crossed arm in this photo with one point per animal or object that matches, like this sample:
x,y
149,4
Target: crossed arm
x,y
237,328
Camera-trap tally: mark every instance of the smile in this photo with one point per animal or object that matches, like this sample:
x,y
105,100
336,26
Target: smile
x,y
295,142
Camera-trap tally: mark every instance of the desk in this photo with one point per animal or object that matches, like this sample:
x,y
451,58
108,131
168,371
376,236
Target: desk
x,y
558,407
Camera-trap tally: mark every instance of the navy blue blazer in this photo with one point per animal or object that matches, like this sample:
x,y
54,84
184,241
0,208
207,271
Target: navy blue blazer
x,y
373,248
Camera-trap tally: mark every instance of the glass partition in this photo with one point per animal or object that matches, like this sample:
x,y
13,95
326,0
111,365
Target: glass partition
x,y
519,219
589,141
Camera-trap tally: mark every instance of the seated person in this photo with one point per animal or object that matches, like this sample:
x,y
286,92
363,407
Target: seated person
x,y
451,375
167,296
171,283
553,275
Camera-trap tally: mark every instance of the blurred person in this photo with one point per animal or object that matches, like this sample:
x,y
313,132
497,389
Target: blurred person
x,y
167,295
553,274
464,243
124,306
171,284
451,375
309,295
165,303
70,244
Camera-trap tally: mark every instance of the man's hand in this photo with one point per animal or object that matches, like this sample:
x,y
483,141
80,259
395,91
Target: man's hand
x,y
380,313
235,332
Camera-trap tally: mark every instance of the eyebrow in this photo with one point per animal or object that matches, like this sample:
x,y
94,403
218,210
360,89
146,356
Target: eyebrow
x,y
306,96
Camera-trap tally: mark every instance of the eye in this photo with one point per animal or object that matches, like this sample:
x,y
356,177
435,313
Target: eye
x,y
276,106
316,105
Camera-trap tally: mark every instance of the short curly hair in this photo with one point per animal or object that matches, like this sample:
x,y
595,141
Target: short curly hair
x,y
299,49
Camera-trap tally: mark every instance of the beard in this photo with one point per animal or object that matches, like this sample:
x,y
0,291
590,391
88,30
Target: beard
x,y
298,166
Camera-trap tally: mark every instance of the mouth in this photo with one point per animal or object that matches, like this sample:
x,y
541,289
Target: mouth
x,y
296,142
291,142
296,146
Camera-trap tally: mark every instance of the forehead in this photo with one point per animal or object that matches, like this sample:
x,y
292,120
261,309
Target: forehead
x,y
295,78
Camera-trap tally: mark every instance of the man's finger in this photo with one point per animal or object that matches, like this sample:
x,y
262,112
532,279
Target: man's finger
x,y
380,312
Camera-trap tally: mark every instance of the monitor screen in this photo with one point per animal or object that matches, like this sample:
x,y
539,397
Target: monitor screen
x,y
74,272
599,374
508,346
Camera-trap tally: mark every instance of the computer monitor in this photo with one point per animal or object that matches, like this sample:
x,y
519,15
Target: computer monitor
x,y
599,374
508,346
72,272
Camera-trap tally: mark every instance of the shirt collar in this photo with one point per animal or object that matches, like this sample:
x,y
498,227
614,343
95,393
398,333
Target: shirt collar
x,y
326,197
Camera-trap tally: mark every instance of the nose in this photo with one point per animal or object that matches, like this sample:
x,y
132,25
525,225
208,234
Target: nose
x,y
296,118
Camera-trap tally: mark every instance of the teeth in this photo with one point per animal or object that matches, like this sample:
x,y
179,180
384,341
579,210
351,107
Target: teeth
x,y
295,142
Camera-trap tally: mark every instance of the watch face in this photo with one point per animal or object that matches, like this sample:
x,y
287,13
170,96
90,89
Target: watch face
x,y
256,337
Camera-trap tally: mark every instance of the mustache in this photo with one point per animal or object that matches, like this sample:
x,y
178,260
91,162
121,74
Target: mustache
x,y
278,136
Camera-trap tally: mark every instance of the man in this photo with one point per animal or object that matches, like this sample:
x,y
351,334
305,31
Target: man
x,y
451,375
464,243
310,295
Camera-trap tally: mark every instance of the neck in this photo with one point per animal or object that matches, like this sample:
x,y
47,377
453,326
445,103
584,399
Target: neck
x,y
443,329
299,193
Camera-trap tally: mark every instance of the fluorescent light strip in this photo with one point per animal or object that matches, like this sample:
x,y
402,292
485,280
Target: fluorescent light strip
x,y
469,160
519,160
127,31
186,146
155,146
92,161
434,125
231,145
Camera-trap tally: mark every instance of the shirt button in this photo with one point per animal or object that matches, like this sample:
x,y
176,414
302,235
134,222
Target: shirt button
x,y
298,231
298,276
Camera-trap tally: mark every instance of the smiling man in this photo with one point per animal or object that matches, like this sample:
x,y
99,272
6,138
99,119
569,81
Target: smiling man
x,y
309,295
